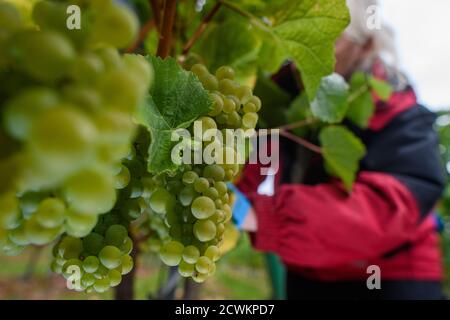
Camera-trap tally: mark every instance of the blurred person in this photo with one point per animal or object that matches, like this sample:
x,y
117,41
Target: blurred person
x,y
328,238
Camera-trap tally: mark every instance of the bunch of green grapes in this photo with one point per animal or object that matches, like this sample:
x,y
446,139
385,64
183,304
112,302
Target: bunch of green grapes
x,y
190,208
66,105
96,262
103,255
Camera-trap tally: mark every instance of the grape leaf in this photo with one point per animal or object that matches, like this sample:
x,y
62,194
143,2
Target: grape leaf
x,y
308,30
381,88
232,42
330,103
342,151
361,105
176,99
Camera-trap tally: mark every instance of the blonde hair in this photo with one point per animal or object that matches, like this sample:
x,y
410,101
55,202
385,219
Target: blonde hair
x,y
360,31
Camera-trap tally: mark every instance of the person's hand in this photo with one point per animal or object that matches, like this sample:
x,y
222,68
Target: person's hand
x,y
243,215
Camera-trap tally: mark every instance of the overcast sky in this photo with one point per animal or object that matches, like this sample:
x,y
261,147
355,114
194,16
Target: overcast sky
x,y
423,38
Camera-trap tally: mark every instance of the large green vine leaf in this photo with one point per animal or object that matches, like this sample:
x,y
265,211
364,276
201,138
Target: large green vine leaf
x,y
342,151
176,99
307,30
232,42
330,104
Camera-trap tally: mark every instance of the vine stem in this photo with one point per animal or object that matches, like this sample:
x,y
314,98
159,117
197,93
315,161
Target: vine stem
x,y
201,28
301,141
298,124
355,95
165,38
156,9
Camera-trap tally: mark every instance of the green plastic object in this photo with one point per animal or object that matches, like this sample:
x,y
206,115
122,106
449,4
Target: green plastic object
x,y
277,273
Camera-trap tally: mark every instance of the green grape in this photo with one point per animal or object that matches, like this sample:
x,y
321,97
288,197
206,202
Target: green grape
x,y
249,120
201,184
39,235
51,213
191,254
207,123
256,101
87,67
127,246
93,243
79,225
212,270
209,82
213,253
228,213
186,195
171,253
70,268
234,119
225,72
23,108
199,277
55,267
203,264
138,65
110,57
84,97
219,216
244,94
217,105
221,187
116,235
175,187
18,236
122,179
126,264
115,278
62,138
49,15
249,107
203,207
120,90
214,172
91,192
29,203
11,249
189,177
211,193
205,230
121,20
227,87
161,200
220,229
131,210
110,257
229,105
115,128
87,280
91,264
9,211
199,70
51,58
70,247
185,269
222,118
101,285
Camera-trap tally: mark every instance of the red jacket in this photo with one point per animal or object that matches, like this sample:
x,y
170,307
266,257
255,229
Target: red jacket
x,y
323,233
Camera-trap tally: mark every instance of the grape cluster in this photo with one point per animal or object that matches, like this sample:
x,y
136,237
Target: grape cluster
x,y
191,207
95,262
66,125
